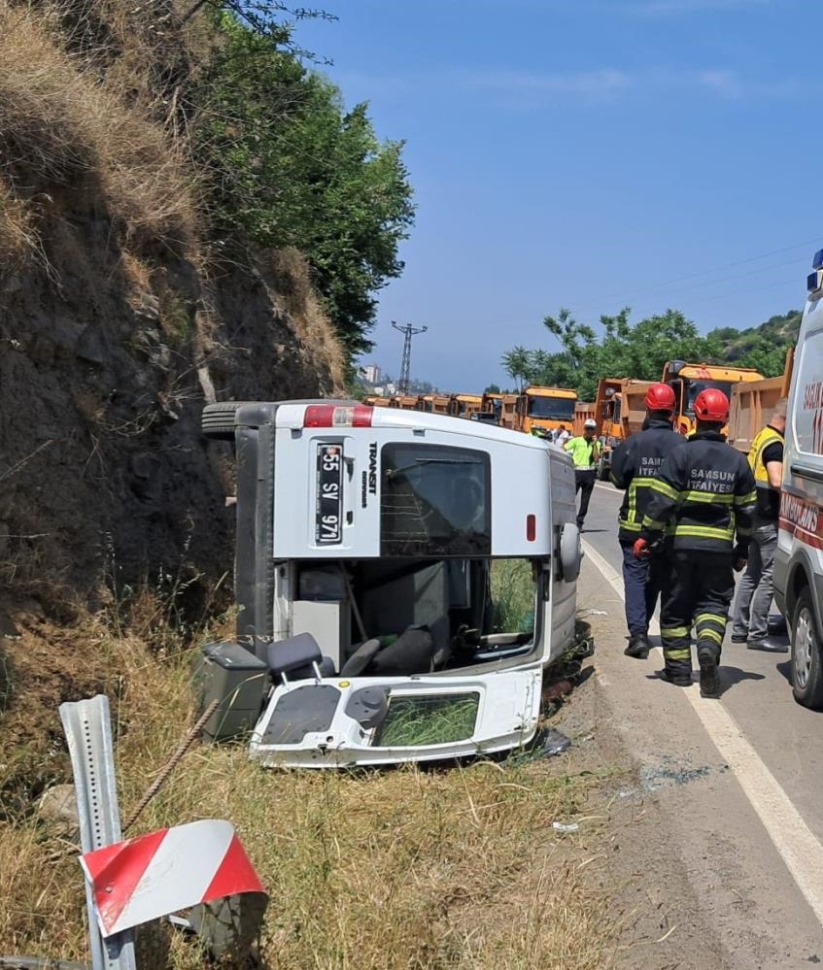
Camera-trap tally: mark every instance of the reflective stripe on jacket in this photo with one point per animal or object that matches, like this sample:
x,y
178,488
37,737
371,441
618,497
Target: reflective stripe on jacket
x,y
634,465
707,491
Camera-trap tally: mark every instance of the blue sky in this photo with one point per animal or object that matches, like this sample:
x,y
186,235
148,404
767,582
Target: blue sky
x,y
589,154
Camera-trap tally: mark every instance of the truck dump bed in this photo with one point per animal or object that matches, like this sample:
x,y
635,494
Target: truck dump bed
x,y
752,403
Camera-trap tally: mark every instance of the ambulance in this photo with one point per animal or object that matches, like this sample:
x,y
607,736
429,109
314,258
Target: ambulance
x,y
402,580
798,567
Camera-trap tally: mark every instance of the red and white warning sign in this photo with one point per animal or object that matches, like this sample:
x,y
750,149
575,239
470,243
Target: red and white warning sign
x,y
151,876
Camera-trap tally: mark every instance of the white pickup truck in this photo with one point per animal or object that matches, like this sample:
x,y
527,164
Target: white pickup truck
x,y
402,578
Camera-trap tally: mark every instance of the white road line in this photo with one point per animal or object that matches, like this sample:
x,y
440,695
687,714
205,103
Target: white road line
x,y
793,839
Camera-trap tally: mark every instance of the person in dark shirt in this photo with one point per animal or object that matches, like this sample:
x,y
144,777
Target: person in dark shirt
x,y
756,588
634,465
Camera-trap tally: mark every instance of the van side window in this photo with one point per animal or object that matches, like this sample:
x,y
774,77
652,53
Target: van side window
x,y
434,501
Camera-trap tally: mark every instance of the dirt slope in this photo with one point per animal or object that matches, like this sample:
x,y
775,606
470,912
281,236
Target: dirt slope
x,y
120,317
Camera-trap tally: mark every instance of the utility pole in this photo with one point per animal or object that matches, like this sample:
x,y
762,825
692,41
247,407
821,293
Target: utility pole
x,y
405,365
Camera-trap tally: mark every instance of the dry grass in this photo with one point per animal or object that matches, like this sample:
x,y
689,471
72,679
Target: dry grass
x,y
62,126
314,330
18,237
408,868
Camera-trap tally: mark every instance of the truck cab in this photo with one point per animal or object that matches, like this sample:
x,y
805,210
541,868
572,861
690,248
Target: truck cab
x,y
465,405
798,565
433,403
396,568
546,408
688,380
619,411
503,407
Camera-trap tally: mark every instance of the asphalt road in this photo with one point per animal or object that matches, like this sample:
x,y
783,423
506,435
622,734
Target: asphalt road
x,y
741,784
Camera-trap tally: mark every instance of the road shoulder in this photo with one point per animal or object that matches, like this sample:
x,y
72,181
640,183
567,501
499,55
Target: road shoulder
x,y
697,879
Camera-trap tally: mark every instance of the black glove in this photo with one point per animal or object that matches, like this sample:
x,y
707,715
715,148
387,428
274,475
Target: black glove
x,y
740,557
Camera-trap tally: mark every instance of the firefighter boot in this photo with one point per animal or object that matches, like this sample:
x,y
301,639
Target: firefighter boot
x,y
708,656
638,647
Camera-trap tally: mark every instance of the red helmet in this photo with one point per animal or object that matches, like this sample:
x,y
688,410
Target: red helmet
x,y
660,397
711,405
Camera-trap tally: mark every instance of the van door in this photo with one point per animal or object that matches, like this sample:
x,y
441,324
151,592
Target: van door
x,y
339,722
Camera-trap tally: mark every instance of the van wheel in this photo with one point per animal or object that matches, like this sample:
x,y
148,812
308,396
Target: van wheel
x,y
218,419
807,663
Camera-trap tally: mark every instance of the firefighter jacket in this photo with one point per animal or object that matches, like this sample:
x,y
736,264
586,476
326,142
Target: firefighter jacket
x,y
706,491
766,447
634,466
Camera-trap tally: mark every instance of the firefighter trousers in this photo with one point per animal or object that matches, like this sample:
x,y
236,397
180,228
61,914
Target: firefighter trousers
x,y
697,593
642,582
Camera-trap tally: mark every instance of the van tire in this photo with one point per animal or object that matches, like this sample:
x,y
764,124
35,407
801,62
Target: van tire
x,y
218,420
807,661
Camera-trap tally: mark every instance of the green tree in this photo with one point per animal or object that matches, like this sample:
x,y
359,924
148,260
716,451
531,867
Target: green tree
x,y
516,364
762,347
620,349
290,166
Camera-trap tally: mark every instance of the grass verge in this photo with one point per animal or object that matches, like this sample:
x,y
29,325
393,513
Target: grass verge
x,y
456,867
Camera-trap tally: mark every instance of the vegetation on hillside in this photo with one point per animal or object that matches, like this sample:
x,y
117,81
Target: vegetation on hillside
x,y
201,120
289,165
639,350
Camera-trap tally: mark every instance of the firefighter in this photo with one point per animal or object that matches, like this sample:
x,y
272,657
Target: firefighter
x,y
585,450
706,491
750,618
634,465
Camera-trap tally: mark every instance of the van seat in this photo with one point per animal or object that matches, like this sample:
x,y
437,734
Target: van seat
x,y
299,657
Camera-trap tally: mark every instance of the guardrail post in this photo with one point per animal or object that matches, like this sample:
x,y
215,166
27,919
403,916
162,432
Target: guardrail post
x,y
87,726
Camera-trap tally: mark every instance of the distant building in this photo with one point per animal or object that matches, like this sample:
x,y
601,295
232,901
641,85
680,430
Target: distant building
x,y
371,373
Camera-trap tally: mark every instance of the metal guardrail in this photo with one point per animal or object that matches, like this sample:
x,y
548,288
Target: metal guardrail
x,y
87,726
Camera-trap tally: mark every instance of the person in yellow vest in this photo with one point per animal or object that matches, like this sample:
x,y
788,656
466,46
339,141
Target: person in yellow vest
x,y
585,450
756,587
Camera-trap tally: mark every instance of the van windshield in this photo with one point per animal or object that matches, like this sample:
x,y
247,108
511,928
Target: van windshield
x,y
434,501
553,408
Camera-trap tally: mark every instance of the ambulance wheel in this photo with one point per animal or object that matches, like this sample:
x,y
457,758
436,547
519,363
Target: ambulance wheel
x,y
218,420
807,663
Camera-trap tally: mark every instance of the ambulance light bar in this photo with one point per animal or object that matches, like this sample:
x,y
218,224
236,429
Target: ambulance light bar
x,y
817,262
337,416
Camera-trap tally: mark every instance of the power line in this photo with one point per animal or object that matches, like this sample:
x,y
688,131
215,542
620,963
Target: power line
x,y
667,284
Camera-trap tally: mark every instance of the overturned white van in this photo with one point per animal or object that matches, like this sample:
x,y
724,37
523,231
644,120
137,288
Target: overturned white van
x,y
402,580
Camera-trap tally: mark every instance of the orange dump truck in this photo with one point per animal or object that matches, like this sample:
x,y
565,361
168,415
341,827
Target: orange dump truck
x,y
545,407
752,403
407,402
503,406
465,405
688,380
433,403
620,411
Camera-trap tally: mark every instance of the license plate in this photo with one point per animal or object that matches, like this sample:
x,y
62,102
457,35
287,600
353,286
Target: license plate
x,y
328,519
